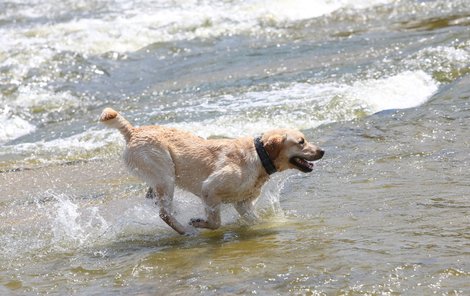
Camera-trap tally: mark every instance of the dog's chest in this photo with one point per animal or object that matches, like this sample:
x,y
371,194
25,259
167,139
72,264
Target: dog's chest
x,y
248,188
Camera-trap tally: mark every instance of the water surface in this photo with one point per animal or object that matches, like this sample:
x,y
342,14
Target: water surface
x,y
383,86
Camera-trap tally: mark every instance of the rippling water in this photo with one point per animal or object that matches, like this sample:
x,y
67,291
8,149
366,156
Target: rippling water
x,y
383,86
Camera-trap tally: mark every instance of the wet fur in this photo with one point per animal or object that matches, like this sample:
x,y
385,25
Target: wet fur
x,y
216,170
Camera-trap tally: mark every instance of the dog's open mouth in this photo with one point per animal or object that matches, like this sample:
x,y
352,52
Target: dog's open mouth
x,y
302,164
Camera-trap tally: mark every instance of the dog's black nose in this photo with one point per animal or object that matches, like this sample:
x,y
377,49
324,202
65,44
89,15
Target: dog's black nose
x,y
321,153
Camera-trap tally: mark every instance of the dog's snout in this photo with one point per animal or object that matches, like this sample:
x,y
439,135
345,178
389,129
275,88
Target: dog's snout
x,y
320,153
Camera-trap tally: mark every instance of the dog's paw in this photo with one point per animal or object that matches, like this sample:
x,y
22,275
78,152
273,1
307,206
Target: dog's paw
x,y
199,223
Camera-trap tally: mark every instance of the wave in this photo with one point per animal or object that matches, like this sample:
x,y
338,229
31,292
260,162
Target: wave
x,y
123,26
298,105
86,145
304,106
13,126
33,100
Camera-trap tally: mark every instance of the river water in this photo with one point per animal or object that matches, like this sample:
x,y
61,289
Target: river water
x,y
383,86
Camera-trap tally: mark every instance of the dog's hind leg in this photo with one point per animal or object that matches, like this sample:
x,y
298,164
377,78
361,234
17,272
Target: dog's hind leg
x,y
155,167
164,199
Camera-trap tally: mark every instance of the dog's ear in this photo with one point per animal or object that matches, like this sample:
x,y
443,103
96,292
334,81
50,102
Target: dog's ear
x,y
274,145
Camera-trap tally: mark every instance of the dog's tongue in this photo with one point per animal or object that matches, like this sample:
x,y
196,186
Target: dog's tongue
x,y
302,164
309,164
305,163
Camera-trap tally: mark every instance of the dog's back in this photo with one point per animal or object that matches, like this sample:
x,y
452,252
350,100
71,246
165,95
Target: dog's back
x,y
158,154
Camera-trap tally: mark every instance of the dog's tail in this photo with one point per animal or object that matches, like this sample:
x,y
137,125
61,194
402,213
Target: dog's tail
x,y
112,118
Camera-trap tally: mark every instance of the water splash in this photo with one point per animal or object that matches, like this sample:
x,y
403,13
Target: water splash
x,y
63,223
72,224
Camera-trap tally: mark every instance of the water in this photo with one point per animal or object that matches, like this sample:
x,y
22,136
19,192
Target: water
x,y
383,86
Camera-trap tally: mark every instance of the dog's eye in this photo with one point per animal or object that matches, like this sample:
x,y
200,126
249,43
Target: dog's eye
x,y
302,141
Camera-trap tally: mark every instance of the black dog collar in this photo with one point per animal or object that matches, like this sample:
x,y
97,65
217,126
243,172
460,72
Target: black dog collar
x,y
264,156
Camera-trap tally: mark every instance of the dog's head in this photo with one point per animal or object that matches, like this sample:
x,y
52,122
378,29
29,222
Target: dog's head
x,y
288,149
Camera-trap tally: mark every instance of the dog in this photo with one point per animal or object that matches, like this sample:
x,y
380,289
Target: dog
x,y
216,170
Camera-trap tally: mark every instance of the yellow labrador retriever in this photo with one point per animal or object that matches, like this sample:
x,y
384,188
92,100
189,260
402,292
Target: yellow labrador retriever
x,y
217,170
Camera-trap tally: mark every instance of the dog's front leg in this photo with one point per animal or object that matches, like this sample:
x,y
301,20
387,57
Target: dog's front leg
x,y
212,203
213,218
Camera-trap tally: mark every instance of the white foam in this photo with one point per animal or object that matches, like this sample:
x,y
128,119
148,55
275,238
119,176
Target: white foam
x,y
405,90
128,26
36,96
69,147
86,141
13,126
298,105
439,58
34,99
305,9
303,105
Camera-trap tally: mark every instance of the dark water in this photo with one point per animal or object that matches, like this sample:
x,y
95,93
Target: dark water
x,y
382,86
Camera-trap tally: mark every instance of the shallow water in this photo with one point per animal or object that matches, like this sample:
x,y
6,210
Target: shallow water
x,y
383,86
